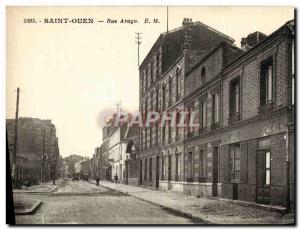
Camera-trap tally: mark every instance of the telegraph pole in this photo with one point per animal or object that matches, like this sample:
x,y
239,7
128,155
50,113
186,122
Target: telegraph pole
x,y
138,41
14,157
167,47
43,157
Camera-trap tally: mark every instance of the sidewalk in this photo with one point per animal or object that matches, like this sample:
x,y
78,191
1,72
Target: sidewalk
x,y
24,205
42,187
211,211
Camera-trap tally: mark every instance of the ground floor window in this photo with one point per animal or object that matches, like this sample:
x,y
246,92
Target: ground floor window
x,y
235,158
268,168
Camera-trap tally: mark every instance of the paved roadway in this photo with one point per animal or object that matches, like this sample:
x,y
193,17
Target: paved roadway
x,y
81,202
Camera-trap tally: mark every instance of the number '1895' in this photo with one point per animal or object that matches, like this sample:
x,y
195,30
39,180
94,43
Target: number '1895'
x,y
29,20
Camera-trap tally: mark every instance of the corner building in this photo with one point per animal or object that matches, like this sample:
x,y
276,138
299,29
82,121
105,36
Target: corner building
x,y
162,79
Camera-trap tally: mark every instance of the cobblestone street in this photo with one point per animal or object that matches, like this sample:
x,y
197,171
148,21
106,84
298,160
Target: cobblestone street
x,y
84,203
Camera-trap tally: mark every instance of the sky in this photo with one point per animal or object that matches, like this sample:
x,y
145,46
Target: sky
x,y
72,73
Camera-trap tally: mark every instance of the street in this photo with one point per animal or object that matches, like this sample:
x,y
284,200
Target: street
x,y
81,202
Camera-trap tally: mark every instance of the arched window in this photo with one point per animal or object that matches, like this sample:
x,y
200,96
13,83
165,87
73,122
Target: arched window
x,y
203,73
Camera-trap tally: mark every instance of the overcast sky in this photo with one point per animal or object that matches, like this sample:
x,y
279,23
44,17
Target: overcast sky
x,y
71,73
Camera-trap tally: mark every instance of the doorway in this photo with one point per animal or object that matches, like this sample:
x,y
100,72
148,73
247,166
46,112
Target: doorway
x,y
141,172
263,190
157,172
215,171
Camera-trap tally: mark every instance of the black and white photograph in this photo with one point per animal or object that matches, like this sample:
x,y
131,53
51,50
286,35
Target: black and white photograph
x,y
150,115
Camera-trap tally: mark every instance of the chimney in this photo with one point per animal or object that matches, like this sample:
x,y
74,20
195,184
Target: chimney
x,y
187,43
252,40
187,22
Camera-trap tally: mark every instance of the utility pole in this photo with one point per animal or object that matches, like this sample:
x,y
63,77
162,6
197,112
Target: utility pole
x,y
54,161
14,156
167,46
138,41
43,157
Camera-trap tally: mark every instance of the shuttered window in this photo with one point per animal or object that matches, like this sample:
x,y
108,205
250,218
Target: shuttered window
x,y
235,159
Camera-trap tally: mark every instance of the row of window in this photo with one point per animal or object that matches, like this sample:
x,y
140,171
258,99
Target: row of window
x,y
164,140
266,97
164,93
201,170
203,111
151,73
266,100
266,91
235,165
166,163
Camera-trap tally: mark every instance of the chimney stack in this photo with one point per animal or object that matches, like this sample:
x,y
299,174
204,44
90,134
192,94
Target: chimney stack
x,y
187,22
252,40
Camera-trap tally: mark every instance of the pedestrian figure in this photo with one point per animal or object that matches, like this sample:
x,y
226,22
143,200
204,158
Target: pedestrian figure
x,y
27,182
116,178
97,180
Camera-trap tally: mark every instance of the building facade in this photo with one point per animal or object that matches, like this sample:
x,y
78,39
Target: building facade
x,y
243,147
37,149
162,73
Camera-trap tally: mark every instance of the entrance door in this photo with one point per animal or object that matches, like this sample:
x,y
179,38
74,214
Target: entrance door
x,y
169,167
157,172
141,172
263,190
109,172
215,171
169,171
126,172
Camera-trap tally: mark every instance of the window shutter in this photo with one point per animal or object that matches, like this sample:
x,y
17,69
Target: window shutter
x,y
205,163
224,164
244,162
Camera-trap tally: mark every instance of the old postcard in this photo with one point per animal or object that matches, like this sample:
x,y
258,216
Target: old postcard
x,y
161,115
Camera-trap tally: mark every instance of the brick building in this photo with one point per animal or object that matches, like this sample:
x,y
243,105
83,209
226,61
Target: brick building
x,y
244,99
244,148
162,72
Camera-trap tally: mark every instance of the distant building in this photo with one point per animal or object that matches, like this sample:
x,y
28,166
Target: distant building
x,y
78,167
111,158
37,148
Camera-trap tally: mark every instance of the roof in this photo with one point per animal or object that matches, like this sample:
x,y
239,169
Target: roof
x,y
168,33
204,25
288,25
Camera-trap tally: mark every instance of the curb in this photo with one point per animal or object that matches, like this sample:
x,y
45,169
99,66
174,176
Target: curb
x,y
39,192
58,186
264,207
31,210
173,210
